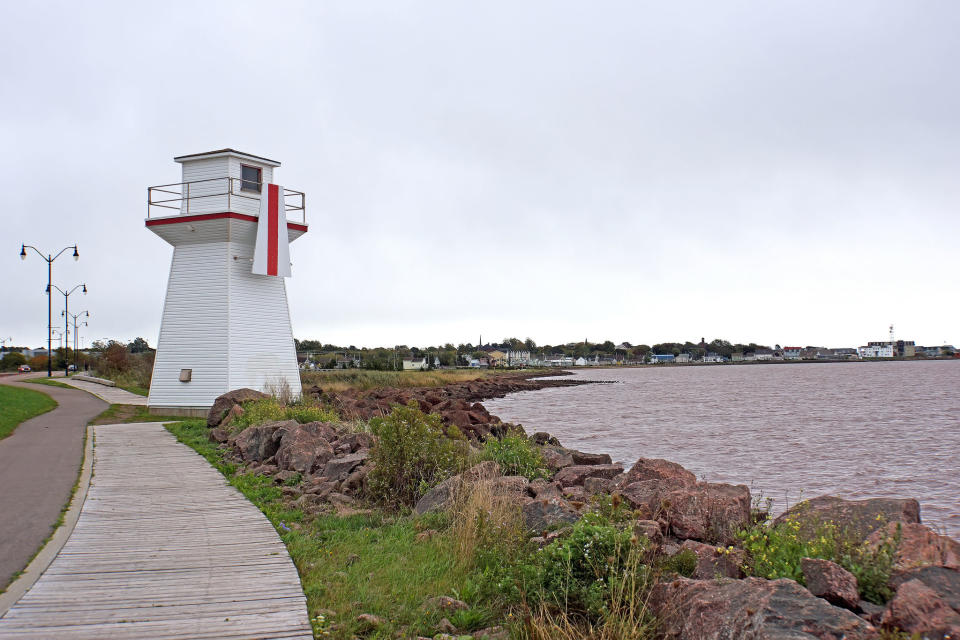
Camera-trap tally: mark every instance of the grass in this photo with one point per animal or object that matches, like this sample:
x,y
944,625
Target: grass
x,y
343,379
361,563
50,382
18,405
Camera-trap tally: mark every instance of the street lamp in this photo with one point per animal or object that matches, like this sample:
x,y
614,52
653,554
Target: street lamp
x,y
49,259
66,325
76,333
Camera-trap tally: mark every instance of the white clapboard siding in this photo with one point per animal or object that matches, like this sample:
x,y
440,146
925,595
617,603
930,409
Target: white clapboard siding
x,y
214,172
194,333
262,352
238,203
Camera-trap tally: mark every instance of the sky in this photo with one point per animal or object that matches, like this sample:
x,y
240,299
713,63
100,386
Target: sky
x,y
777,172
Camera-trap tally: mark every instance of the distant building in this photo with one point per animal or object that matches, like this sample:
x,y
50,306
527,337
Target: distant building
x,y
580,362
712,357
792,353
682,358
763,354
876,350
415,364
662,357
737,356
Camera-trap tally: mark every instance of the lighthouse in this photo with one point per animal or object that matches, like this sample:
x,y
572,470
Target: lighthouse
x,y
226,321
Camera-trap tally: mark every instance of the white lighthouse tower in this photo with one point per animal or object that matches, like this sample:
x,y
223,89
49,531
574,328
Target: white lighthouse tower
x,y
226,323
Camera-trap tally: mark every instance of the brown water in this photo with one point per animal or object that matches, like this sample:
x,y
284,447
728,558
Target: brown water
x,y
854,430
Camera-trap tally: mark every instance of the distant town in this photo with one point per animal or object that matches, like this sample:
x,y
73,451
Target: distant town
x,y
515,353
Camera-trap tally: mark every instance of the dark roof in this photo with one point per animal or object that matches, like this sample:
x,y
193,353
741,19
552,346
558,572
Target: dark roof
x,y
227,150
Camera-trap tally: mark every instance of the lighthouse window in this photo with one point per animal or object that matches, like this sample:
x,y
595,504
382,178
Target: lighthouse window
x,y
249,178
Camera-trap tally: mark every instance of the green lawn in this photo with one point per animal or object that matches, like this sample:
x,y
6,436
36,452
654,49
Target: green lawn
x,y
18,405
50,382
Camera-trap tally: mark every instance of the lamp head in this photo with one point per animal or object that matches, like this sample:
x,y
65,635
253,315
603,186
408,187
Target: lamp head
x,y
76,256
47,290
87,313
23,252
84,287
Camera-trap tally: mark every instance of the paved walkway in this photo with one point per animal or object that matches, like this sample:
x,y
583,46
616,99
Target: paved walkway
x,y
113,395
39,464
163,548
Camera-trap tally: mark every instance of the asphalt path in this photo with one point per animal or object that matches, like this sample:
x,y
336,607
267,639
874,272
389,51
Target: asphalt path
x,y
39,465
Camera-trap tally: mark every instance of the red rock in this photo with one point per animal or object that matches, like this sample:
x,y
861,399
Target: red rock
x,y
710,512
916,608
831,582
541,488
305,447
539,515
235,413
575,475
646,496
579,457
255,444
556,458
859,518
223,403
715,562
657,469
649,529
919,546
750,608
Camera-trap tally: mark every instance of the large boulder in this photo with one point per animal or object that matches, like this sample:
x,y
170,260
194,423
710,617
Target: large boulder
x,y
707,511
442,496
556,458
340,468
580,457
540,515
306,447
831,582
575,475
256,444
918,546
750,608
856,518
916,608
658,469
715,562
224,403
944,582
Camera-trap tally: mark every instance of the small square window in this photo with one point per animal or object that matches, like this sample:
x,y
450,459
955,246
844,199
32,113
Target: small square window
x,y
250,178
186,375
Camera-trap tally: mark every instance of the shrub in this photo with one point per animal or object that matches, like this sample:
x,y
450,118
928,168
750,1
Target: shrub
x,y
683,563
486,526
776,552
516,456
270,410
411,455
12,360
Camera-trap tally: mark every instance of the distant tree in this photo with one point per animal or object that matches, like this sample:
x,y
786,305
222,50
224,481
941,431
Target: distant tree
x,y
607,347
139,345
12,360
530,344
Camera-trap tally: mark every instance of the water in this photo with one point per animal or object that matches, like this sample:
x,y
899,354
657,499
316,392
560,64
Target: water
x,y
854,430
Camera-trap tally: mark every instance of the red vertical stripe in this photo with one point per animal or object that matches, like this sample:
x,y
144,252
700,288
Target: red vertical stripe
x,y
273,204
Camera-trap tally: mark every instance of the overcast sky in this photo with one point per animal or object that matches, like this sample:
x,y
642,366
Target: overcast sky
x,y
782,172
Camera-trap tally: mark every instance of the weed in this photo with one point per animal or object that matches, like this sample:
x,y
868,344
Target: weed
x,y
516,456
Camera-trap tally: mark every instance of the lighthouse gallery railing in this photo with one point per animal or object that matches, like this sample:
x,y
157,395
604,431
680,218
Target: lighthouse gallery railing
x,y
178,196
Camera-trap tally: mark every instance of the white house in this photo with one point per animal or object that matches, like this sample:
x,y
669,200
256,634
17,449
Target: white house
x,y
415,364
792,353
682,358
223,326
876,351
580,362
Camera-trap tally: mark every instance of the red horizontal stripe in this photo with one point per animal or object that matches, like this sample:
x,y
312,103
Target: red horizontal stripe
x,y
215,216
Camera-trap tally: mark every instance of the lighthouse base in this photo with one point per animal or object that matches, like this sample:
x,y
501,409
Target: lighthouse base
x,y
223,328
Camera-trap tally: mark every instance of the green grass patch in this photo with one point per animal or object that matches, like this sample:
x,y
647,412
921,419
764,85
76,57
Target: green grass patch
x,y
341,379
18,405
272,410
140,391
50,382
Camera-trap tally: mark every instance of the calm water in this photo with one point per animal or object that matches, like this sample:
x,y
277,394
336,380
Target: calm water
x,y
854,430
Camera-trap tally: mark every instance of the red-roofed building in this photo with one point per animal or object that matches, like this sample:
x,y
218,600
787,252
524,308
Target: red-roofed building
x,y
792,353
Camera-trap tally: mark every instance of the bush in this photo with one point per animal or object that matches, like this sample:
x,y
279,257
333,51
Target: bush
x,y
516,456
270,410
12,360
776,552
412,454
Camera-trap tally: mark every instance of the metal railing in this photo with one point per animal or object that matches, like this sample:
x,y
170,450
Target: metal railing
x,y
234,191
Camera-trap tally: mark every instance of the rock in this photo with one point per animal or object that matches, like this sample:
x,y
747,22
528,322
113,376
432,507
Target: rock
x,y
870,612
575,475
944,582
445,626
356,482
649,529
219,435
542,438
658,469
234,414
445,603
256,444
436,499
282,476
426,536
750,608
320,487
370,621
556,458
486,470
539,515
831,582
574,494
306,447
919,546
340,468
579,457
492,633
341,500
858,518
646,496
223,404
916,608
541,488
594,486
507,485
353,442
715,562
706,511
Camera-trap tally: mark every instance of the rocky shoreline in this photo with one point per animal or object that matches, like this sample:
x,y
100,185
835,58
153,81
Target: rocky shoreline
x,y
671,508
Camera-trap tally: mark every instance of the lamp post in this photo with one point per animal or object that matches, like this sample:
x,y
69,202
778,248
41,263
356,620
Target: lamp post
x,y
49,259
66,322
75,333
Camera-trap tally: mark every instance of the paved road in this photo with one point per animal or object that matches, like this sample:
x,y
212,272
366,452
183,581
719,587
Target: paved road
x,y
39,464
164,548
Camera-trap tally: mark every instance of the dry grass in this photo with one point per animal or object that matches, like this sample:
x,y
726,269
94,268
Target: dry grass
x,y
343,379
484,519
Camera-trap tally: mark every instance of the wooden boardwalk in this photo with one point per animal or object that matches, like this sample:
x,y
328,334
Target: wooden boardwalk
x,y
164,548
